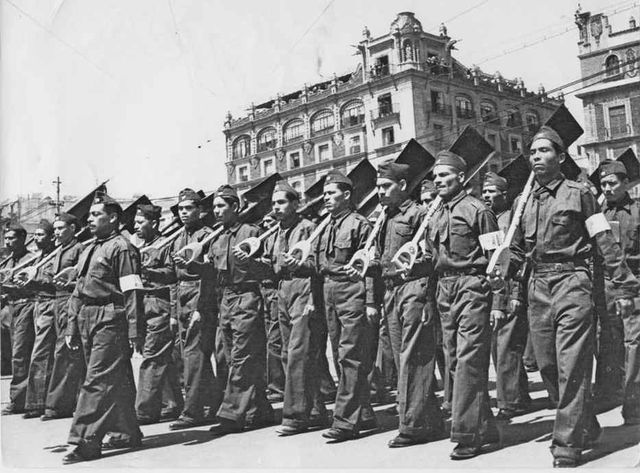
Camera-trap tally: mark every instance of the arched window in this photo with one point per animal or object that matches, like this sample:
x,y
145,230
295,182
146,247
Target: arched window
x,y
464,107
267,139
488,111
241,147
612,65
352,114
322,122
532,119
293,131
514,118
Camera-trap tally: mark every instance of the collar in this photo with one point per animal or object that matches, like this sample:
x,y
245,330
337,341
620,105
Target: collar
x,y
233,229
17,256
401,209
196,226
551,187
622,204
110,237
341,216
149,243
456,199
71,242
295,221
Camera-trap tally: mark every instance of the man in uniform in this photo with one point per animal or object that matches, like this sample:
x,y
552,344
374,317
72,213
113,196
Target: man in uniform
x,y
158,367
623,213
456,239
68,365
412,338
19,303
350,309
300,321
196,315
510,334
244,405
560,226
105,316
41,364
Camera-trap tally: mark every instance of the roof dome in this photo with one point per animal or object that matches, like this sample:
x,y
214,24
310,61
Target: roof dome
x,y
406,22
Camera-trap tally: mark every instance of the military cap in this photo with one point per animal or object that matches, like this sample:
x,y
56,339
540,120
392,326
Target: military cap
x,y
492,179
336,177
107,201
45,225
549,134
394,171
17,229
612,167
67,218
428,186
284,186
447,158
150,212
189,194
227,192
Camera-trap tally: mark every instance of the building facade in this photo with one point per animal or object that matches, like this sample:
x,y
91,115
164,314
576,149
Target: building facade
x,y
406,85
611,81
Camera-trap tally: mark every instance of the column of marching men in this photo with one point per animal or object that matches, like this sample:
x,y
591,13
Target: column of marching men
x,y
265,316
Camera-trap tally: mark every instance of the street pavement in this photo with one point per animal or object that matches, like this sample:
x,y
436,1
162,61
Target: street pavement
x,y
30,443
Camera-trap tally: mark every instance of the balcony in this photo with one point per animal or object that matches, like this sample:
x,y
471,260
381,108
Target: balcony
x,y
352,120
386,114
617,131
465,113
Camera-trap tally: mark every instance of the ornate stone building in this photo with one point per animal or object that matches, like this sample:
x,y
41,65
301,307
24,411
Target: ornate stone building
x,y
407,84
611,75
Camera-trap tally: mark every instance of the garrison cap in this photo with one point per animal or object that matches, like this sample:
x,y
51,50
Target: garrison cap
x,y
66,218
492,179
227,192
448,158
427,186
336,177
18,229
189,194
107,201
45,225
612,167
150,212
549,134
284,186
394,171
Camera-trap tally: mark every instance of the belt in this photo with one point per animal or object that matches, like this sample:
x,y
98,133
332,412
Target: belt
x,y
242,287
541,268
161,293
395,281
98,301
192,283
452,273
336,278
268,284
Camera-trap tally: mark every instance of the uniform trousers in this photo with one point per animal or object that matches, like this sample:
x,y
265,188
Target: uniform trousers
x,y
350,332
464,303
244,340
413,342
561,323
275,370
23,338
42,356
107,397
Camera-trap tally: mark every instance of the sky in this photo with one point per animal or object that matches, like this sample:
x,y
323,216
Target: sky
x,y
136,91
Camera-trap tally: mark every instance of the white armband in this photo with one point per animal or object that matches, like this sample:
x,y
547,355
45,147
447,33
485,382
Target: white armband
x,y
491,241
130,282
597,223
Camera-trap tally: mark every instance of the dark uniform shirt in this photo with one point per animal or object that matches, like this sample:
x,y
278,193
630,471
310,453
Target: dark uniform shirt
x,y
624,217
42,285
109,272
281,241
154,258
400,227
67,257
455,232
13,261
561,224
345,234
229,269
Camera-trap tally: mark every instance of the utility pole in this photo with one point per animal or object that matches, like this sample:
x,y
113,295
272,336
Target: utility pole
x,y
58,204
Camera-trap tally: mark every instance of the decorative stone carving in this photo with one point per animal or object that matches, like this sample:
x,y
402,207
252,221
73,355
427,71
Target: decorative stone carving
x,y
308,147
280,154
255,161
231,167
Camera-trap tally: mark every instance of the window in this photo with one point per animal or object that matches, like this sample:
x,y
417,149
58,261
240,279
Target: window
x,y
533,120
353,114
514,118
267,139
492,139
322,122
354,144
515,145
464,107
241,147
438,132
487,112
267,167
617,120
293,131
384,105
323,152
437,101
387,136
612,65
243,173
294,160
381,66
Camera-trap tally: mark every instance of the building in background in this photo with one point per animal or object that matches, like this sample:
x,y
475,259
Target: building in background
x,y
611,77
406,85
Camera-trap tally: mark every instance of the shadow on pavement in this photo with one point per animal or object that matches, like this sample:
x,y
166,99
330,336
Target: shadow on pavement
x,y
613,439
523,432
